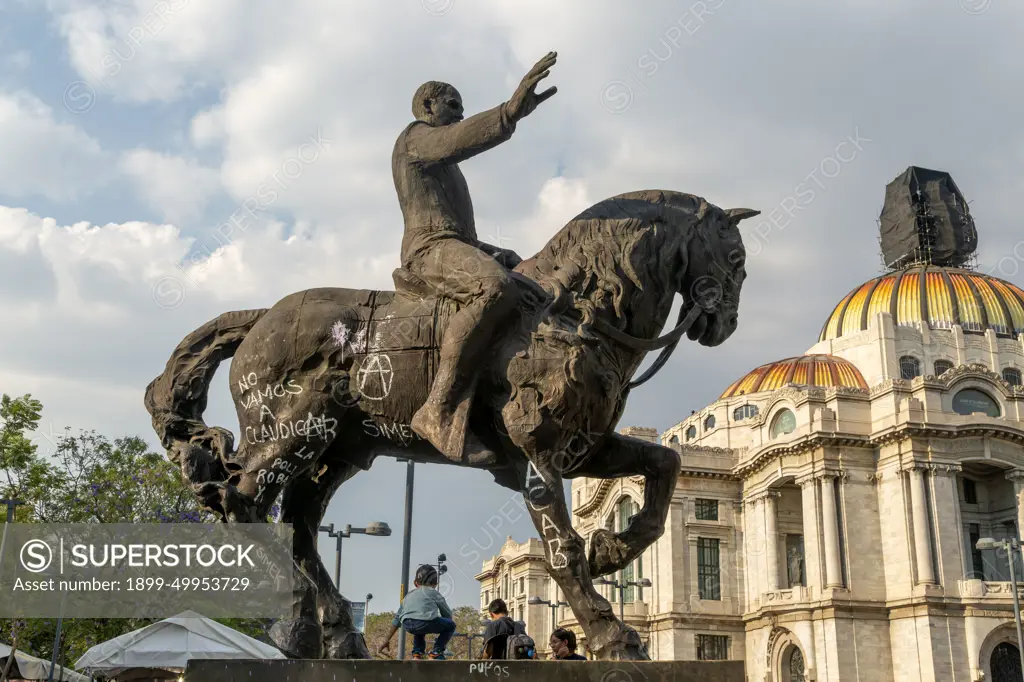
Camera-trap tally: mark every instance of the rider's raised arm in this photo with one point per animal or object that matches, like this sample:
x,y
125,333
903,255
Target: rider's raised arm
x,y
459,141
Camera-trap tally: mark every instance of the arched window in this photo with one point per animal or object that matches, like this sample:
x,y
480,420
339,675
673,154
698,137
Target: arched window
x,y
709,422
691,432
972,400
784,422
1005,663
793,666
942,366
910,367
744,412
1012,376
674,440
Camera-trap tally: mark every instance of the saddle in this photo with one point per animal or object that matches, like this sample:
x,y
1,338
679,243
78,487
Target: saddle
x,y
409,283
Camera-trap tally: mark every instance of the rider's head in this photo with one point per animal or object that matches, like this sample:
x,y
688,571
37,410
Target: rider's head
x,y
436,103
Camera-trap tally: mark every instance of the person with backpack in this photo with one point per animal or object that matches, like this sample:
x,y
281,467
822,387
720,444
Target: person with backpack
x,y
424,611
505,638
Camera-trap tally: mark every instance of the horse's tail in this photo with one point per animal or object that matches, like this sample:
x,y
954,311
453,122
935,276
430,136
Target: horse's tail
x,y
176,399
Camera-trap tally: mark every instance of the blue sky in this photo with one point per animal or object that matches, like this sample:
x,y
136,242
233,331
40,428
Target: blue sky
x,y
130,130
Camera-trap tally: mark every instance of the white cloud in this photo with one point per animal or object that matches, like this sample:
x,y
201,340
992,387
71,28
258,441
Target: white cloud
x,y
40,156
738,111
175,186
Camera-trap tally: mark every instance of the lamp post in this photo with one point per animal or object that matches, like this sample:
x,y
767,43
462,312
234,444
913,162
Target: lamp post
x,y
537,601
621,587
377,528
410,477
1012,548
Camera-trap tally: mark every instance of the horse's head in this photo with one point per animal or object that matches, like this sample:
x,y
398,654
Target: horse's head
x,y
713,271
624,248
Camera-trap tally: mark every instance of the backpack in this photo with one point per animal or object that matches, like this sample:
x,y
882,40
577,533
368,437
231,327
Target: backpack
x,y
520,645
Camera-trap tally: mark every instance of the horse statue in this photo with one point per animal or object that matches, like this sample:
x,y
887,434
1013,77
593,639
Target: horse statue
x,y
327,380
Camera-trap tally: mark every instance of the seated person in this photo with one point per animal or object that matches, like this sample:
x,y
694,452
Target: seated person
x,y
424,611
498,631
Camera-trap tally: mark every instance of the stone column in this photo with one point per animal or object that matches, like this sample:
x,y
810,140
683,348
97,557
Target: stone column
x,y
812,547
922,531
830,521
771,539
1017,476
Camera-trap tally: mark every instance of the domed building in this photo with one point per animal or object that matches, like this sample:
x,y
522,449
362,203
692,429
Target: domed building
x,y
826,521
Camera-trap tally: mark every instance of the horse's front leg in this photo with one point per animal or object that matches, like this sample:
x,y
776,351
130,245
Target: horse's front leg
x,y
607,637
619,456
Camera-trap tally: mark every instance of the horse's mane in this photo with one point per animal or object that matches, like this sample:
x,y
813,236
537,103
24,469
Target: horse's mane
x,y
603,249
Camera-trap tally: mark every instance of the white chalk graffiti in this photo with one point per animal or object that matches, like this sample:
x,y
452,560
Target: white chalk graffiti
x,y
322,428
269,391
375,376
348,340
535,482
393,431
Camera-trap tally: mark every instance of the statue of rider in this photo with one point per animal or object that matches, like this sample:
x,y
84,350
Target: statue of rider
x,y
440,244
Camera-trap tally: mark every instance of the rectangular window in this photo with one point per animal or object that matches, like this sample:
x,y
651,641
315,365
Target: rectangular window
x,y
970,492
708,569
977,563
795,560
712,648
707,510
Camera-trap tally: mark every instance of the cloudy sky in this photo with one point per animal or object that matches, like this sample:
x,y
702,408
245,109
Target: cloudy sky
x,y
132,130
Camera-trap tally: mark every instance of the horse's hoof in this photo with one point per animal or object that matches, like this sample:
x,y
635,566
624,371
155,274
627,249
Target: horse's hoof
x,y
298,638
342,644
607,553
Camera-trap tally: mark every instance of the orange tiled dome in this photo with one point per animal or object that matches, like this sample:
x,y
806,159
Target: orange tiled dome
x,y
808,370
942,296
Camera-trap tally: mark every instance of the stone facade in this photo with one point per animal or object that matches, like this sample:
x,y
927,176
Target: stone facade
x,y
830,532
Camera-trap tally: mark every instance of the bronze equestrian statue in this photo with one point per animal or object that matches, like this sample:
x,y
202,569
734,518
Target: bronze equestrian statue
x,y
534,379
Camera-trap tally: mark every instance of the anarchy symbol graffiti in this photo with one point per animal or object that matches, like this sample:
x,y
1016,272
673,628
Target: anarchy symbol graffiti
x,y
374,377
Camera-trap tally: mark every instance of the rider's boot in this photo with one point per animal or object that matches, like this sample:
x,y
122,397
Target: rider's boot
x,y
444,417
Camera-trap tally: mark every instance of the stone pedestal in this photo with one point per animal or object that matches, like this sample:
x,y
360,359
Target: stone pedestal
x,y
443,671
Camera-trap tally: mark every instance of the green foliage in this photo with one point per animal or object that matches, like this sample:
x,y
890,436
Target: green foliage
x,y
89,479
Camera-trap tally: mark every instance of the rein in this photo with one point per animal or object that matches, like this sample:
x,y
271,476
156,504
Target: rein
x,y
667,343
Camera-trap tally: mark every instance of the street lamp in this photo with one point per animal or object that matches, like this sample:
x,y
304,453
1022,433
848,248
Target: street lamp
x,y
377,528
537,601
1012,549
621,587
441,568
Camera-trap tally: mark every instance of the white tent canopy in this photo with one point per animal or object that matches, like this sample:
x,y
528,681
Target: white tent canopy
x,y
32,668
170,644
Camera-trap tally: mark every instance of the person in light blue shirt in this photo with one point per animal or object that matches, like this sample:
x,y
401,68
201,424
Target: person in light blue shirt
x,y
423,612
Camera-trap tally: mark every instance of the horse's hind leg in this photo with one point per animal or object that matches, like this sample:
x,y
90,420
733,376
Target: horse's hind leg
x,y
303,505
619,456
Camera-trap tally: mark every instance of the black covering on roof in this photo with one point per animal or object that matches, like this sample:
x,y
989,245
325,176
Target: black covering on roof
x,y
925,219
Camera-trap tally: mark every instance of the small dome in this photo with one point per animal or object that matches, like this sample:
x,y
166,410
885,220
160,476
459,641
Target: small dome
x,y
807,370
943,297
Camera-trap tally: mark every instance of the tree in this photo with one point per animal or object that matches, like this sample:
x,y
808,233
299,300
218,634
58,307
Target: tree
x,y
89,479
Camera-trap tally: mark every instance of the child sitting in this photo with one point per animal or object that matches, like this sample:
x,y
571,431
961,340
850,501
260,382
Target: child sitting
x,y
424,611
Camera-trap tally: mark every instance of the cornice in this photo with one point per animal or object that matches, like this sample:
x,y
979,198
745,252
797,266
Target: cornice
x,y
604,486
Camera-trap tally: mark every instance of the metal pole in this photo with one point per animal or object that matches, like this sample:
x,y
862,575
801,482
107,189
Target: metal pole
x,y
11,506
622,597
56,639
410,473
337,563
1011,550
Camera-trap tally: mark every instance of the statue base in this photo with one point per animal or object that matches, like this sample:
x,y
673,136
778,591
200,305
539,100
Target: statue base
x,y
443,671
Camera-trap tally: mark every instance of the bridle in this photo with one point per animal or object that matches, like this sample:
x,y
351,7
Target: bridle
x,y
667,343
